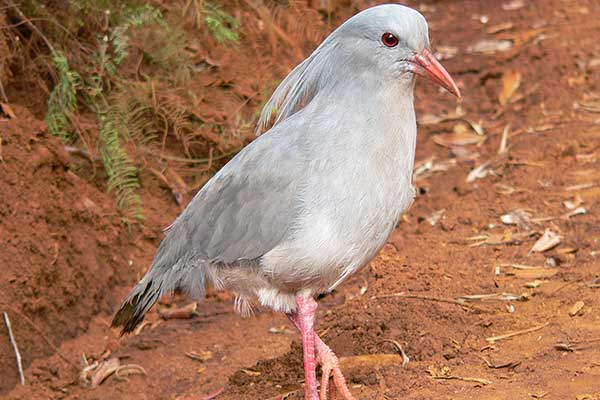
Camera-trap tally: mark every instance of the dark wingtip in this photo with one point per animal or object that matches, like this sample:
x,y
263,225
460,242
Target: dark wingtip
x,y
131,312
127,317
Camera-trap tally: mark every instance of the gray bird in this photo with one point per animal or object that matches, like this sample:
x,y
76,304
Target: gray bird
x,y
313,199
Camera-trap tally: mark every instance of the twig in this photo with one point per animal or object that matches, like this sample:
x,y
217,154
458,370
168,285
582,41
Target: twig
x,y
517,333
31,26
428,298
41,334
405,358
482,381
129,369
3,93
13,342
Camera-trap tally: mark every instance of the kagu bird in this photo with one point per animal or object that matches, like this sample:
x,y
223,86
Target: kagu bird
x,y
313,199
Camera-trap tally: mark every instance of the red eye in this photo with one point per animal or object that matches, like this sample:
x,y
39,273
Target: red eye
x,y
389,39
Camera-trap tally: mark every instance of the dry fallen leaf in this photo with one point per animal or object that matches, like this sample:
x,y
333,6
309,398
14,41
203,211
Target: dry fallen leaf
x,y
480,172
435,216
535,273
184,312
476,126
573,204
250,372
460,138
511,81
504,26
6,109
518,217
548,241
490,46
281,330
576,308
513,5
567,250
590,106
581,186
445,52
588,396
204,355
572,213
533,284
494,239
432,119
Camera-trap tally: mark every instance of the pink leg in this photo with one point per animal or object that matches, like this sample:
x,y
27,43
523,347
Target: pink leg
x,y
326,357
304,319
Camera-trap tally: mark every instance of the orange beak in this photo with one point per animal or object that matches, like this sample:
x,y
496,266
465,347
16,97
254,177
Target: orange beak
x,y
426,65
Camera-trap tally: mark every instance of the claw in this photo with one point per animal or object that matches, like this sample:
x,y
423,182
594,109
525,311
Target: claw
x,y
330,367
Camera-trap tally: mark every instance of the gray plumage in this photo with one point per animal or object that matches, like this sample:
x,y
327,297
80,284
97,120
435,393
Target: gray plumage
x,y
314,198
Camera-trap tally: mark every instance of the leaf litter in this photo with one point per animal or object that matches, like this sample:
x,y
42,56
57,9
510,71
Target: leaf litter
x,y
511,80
549,240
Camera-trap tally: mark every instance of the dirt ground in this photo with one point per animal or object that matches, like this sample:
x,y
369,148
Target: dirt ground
x,y
530,76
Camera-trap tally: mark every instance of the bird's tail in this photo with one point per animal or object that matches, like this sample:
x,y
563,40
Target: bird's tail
x,y
158,281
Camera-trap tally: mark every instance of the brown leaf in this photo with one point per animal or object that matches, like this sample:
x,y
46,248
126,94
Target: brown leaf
x,y
573,204
548,241
202,356
6,109
458,139
480,172
250,372
535,273
518,217
184,312
511,81
591,106
490,46
534,284
513,5
504,26
445,52
576,308
435,216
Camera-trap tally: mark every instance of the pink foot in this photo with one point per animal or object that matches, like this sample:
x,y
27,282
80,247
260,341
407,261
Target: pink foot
x,y
311,344
330,367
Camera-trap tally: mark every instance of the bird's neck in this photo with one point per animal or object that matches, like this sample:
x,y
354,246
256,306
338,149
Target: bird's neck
x,y
377,120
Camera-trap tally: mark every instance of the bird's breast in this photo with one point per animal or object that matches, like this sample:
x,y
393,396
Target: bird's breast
x,y
346,217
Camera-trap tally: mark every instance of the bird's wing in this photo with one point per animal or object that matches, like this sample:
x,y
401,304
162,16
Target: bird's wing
x,y
242,213
245,210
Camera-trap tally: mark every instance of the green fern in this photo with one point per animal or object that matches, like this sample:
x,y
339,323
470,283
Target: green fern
x,y
62,103
223,26
122,173
133,18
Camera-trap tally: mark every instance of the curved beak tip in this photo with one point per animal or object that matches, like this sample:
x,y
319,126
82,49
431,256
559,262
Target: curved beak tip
x,y
425,64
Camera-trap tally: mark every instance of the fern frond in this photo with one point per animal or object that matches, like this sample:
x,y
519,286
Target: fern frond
x,y
62,102
133,18
223,26
122,173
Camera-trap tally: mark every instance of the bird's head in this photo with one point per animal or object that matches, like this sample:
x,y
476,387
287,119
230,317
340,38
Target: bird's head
x,y
388,44
391,41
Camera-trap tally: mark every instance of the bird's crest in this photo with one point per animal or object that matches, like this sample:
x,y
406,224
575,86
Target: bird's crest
x,y
297,89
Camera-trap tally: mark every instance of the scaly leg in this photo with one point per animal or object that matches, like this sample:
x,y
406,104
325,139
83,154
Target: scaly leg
x,y
304,320
325,356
